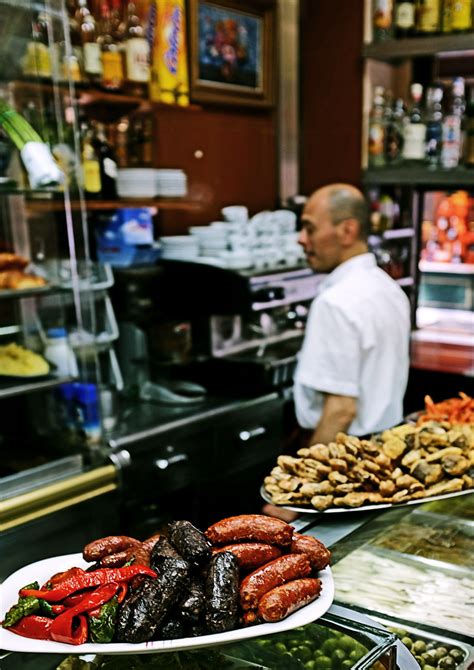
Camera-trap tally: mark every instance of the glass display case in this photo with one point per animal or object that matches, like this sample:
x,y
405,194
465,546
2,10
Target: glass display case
x,y
57,327
412,569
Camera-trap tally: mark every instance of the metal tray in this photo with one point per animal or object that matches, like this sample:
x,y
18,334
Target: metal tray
x,y
362,508
428,636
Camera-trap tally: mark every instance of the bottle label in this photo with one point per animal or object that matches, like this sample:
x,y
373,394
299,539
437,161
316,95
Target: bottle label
x,y
451,151
429,16
383,13
91,170
37,60
414,145
137,59
92,58
405,17
461,15
110,168
376,139
112,66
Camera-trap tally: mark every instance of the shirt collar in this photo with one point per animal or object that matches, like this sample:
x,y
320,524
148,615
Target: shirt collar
x,y
361,262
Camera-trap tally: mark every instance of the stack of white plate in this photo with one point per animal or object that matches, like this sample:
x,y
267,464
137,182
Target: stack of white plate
x,y
180,247
136,183
171,183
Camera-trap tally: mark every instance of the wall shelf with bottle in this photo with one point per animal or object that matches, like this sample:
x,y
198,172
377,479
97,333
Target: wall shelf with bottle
x,y
40,205
419,176
394,50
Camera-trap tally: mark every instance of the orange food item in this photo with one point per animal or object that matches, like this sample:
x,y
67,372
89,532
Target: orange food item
x,y
454,410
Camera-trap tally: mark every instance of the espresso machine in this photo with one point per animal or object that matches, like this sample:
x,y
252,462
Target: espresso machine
x,y
246,325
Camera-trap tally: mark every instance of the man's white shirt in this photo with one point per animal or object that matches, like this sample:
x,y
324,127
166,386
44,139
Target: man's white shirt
x,y
356,344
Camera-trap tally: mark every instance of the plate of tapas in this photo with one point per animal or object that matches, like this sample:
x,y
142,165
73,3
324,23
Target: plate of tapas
x,y
245,577
408,464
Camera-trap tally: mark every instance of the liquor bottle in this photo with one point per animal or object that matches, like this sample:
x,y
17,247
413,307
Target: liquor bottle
x,y
434,125
90,165
405,18
446,18
415,129
37,59
112,63
91,49
147,149
107,161
469,139
461,16
428,17
121,142
137,54
451,153
394,133
377,129
116,21
382,19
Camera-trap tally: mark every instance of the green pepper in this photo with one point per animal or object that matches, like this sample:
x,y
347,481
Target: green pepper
x,y
24,607
102,627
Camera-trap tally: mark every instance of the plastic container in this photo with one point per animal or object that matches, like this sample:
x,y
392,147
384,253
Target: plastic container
x,y
86,405
58,352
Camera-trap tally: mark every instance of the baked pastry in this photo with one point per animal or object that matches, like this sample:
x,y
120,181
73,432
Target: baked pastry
x,y
16,279
10,261
17,361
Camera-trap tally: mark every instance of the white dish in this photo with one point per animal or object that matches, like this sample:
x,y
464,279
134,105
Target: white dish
x,y
363,508
43,570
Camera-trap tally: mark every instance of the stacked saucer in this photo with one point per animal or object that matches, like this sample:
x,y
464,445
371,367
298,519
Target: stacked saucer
x,y
180,247
171,183
136,183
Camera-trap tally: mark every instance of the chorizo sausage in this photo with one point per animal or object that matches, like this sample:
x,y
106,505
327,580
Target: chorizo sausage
x,y
250,528
150,542
283,600
275,573
139,555
251,555
108,545
319,555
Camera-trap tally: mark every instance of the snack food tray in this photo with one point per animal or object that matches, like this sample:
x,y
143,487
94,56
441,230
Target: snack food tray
x,y
42,570
362,508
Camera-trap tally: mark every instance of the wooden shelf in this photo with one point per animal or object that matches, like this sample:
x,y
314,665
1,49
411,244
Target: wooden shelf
x,y
101,205
419,177
410,47
87,96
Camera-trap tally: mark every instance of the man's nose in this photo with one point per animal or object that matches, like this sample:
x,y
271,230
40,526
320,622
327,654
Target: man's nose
x,y
302,237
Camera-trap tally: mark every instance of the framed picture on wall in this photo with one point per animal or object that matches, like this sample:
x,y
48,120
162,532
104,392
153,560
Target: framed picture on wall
x,y
231,51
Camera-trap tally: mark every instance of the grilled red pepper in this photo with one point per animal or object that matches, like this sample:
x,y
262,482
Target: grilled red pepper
x,y
37,627
70,626
72,631
86,580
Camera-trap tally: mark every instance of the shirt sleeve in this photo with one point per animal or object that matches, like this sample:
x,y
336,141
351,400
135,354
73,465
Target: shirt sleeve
x,y
330,358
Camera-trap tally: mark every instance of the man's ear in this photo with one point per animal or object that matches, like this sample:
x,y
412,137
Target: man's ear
x,y
350,229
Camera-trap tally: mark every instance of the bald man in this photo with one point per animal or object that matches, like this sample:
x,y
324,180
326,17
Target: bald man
x,y
353,366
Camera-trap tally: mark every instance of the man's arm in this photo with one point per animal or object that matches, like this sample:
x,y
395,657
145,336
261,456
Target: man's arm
x,y
338,413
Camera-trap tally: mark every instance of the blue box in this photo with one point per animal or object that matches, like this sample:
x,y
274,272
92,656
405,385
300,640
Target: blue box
x,y
126,237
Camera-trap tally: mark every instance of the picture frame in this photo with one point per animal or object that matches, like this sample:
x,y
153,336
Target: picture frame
x,y
232,45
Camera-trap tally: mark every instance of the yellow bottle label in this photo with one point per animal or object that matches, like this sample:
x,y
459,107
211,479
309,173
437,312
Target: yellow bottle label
x,y
461,15
429,16
91,170
37,60
137,56
112,69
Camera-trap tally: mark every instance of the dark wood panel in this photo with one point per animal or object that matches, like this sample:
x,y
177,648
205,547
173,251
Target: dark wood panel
x,y
229,155
331,92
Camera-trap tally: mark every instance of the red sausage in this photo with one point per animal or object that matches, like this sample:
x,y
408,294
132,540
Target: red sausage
x,y
251,555
319,556
250,528
275,573
150,542
108,545
283,600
